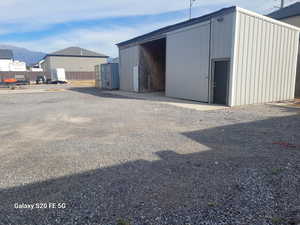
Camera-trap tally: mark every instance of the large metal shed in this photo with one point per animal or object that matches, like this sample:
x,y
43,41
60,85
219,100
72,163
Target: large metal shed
x,y
231,57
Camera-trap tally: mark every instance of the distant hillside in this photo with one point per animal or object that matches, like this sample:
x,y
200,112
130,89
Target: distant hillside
x,y
25,55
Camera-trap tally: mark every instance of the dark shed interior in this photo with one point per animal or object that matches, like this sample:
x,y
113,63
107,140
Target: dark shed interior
x,y
153,66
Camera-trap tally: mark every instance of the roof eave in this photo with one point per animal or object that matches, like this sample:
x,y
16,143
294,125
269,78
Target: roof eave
x,y
82,56
176,26
285,17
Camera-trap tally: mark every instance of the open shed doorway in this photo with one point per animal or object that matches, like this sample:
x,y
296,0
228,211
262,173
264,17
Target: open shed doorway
x,y
153,66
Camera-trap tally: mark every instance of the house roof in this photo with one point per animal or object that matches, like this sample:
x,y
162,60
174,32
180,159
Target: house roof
x,y
6,54
289,11
77,52
176,26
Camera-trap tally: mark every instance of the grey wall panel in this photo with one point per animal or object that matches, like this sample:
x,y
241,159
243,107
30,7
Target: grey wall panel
x,y
187,63
222,41
295,20
265,60
222,34
129,58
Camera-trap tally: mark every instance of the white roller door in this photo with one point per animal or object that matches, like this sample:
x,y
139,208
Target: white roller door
x,y
187,63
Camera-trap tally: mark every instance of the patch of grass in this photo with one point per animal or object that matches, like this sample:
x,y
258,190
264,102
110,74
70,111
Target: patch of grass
x,y
276,171
212,204
277,220
123,222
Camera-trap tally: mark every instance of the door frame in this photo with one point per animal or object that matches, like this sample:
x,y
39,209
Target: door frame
x,y
136,79
213,61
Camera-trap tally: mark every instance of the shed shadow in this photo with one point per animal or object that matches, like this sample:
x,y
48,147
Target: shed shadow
x,y
148,96
232,183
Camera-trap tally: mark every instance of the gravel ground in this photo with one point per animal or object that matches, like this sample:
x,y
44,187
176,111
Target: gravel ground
x,y
118,160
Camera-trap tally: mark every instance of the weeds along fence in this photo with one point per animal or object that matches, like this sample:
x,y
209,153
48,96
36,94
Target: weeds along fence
x,y
31,76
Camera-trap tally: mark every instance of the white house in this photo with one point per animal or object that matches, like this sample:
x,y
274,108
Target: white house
x,y
6,58
17,66
7,62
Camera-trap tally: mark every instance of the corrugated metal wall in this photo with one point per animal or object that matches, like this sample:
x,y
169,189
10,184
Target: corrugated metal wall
x,y
265,60
129,58
110,76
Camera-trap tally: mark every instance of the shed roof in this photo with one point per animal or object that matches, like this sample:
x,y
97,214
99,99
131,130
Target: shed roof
x,y
6,54
289,11
176,26
77,52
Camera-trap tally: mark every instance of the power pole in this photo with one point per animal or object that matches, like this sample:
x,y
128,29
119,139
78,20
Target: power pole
x,y
190,9
282,4
191,5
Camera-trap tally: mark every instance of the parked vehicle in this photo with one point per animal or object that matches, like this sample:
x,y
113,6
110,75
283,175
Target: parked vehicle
x,y
17,80
21,80
9,81
41,79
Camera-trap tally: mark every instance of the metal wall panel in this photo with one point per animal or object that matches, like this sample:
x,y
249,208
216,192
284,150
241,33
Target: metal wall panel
x,y
187,63
73,64
129,59
110,76
98,82
222,34
222,41
265,60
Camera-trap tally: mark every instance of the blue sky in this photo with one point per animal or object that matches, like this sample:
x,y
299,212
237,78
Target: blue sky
x,y
98,25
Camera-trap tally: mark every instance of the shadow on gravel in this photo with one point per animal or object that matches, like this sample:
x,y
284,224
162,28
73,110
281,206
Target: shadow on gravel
x,y
243,179
99,93
149,96
294,108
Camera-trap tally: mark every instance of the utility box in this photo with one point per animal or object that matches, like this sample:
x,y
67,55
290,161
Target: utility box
x,y
110,76
98,83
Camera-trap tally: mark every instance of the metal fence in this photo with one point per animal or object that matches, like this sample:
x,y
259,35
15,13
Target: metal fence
x,y
80,75
31,76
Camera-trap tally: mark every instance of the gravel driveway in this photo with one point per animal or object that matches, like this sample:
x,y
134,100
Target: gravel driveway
x,y
86,157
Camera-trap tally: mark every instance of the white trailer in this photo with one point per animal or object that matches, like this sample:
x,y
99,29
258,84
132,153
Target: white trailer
x,y
58,75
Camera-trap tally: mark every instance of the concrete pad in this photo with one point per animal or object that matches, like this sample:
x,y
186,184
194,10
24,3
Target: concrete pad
x,y
159,97
293,103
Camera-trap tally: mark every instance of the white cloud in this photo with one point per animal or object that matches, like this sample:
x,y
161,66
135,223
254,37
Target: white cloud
x,y
93,38
32,15
37,13
57,11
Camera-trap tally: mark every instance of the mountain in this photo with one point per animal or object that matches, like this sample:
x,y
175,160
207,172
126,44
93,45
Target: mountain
x,y
25,55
